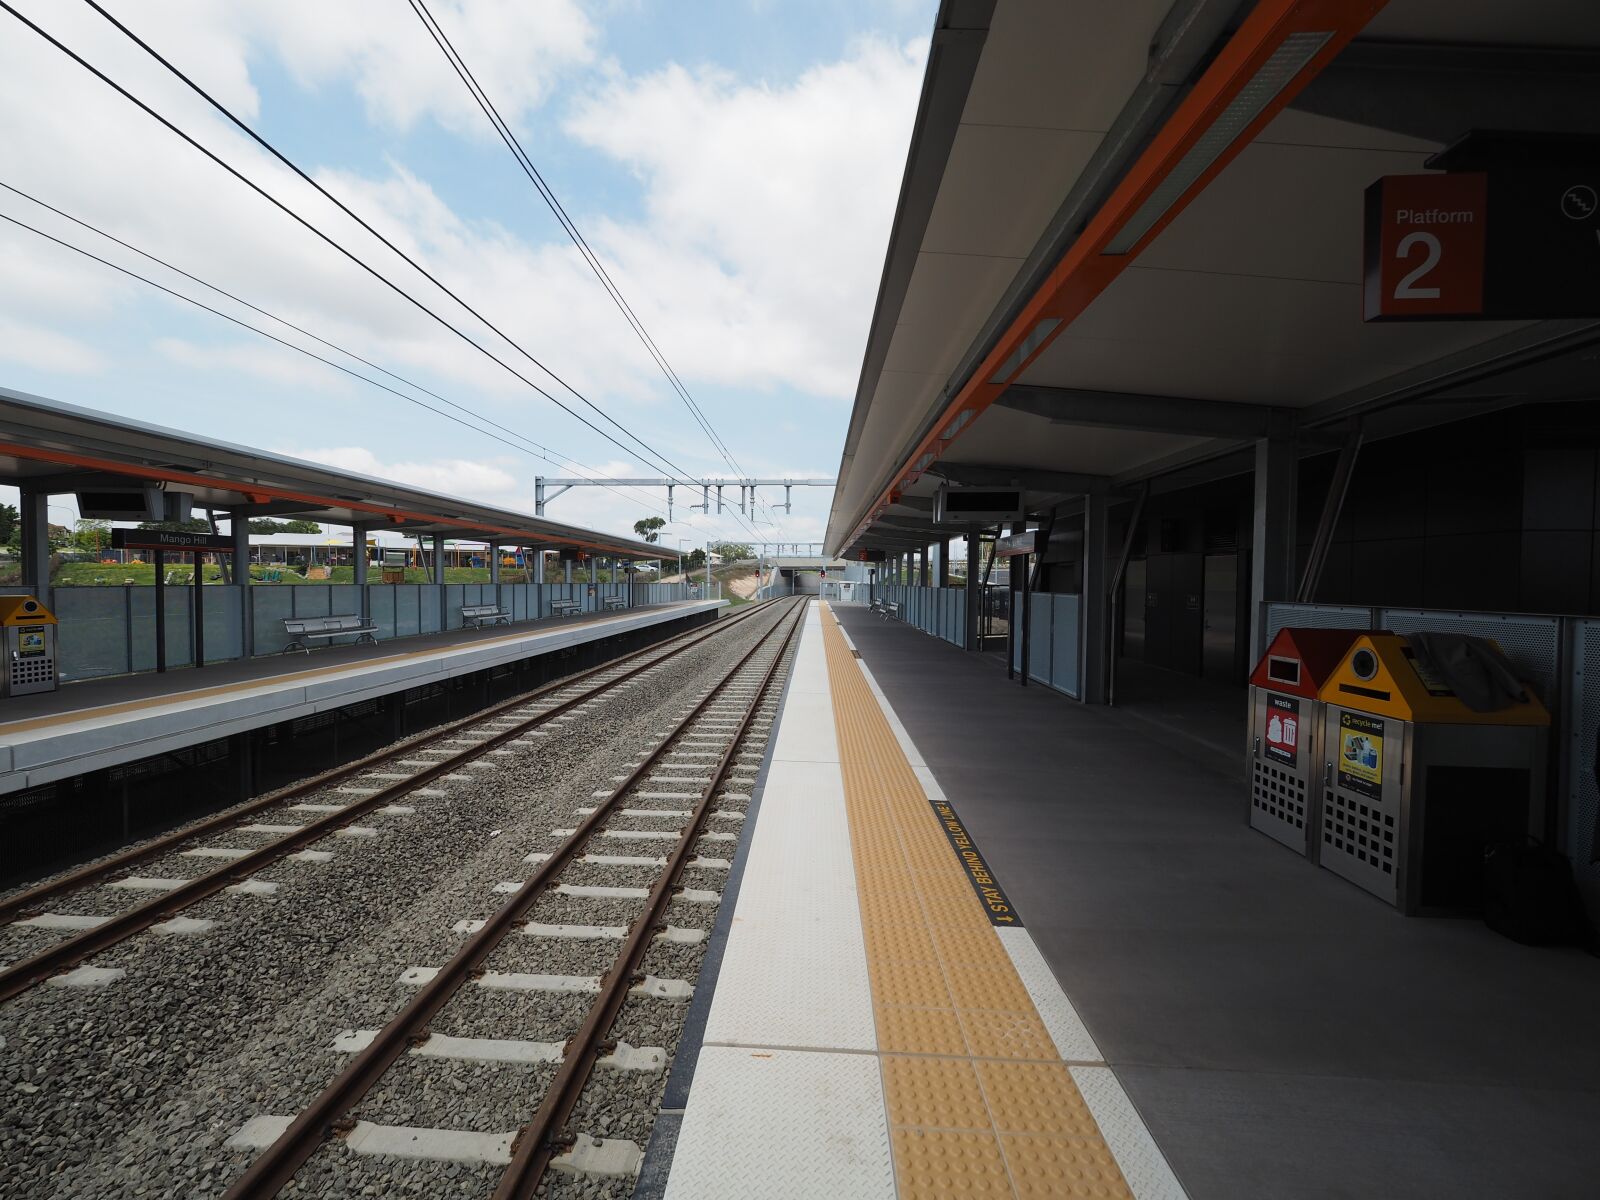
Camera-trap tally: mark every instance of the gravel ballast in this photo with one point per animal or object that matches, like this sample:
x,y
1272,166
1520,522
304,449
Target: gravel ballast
x,y
131,1089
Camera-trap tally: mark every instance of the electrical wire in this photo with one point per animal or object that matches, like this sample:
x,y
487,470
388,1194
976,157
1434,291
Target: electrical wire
x,y
148,110
503,128
545,452
284,159
281,341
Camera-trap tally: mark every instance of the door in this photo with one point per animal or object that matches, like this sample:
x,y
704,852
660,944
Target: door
x,y
1220,634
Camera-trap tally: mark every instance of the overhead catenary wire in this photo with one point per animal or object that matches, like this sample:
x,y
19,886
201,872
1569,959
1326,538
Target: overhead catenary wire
x,y
407,296
545,452
509,137
200,304
286,161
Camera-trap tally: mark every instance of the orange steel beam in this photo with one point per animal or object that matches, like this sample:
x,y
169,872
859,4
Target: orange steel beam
x,y
1085,271
259,492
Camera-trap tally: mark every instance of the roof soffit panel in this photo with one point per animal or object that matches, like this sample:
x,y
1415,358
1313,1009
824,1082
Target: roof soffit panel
x,y
1062,64
1490,22
898,404
1002,186
1002,437
949,293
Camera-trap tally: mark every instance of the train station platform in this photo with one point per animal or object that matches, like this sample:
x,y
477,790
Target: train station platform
x,y
1181,1007
99,723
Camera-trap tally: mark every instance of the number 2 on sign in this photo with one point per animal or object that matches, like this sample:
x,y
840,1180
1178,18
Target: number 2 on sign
x,y
1406,289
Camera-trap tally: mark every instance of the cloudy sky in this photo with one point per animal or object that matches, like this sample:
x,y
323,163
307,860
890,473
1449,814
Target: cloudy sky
x,y
733,163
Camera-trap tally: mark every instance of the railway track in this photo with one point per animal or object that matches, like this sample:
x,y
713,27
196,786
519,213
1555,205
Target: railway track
x,y
455,746
718,736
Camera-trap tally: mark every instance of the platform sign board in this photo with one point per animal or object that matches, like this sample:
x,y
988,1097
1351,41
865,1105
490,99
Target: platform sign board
x,y
1017,543
1516,243
178,540
871,555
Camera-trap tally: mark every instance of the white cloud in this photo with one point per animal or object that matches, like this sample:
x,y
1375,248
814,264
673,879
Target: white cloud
x,y
769,208
754,260
44,349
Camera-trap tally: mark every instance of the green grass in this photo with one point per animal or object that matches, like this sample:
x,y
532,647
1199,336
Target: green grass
x,y
90,574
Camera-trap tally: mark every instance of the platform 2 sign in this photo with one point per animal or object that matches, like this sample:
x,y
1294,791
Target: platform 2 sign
x,y
996,904
1515,243
179,540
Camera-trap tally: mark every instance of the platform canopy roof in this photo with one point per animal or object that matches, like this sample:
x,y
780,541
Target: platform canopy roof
x,y
46,446
1129,241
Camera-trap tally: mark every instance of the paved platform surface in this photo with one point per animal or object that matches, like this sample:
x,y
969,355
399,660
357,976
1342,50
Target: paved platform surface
x,y
882,1023
99,723
1281,1033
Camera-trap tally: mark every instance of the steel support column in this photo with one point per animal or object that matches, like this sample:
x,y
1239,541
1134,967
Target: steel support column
x,y
922,566
944,563
239,530
974,590
34,514
438,576
1096,600
1273,528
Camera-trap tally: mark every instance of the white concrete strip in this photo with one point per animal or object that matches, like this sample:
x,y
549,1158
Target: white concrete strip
x,y
228,852
318,808
1144,1167
271,828
88,977
699,896
622,860
311,856
438,1145
353,1041
391,776
356,831
431,793
397,810
801,1123
583,933
358,791
253,887
258,1133
513,981
1061,1020
142,883
662,813
65,921
600,893
605,1158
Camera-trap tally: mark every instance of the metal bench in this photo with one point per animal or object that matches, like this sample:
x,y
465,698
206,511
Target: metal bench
x,y
891,609
308,629
479,615
565,608
615,602
875,607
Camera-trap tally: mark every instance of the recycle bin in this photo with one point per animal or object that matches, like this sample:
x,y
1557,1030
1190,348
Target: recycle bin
x,y
28,633
1415,784
1285,740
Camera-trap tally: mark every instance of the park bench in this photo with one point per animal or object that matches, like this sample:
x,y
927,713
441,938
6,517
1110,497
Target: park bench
x,y
479,615
615,602
307,629
890,608
565,608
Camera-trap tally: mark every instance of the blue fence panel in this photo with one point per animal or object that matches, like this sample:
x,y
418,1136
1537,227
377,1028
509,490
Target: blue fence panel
x,y
92,631
1064,643
380,610
271,603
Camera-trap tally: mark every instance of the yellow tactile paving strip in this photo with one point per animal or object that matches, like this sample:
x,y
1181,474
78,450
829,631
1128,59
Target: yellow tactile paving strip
x,y
979,1103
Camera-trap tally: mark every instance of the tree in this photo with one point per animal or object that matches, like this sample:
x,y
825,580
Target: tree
x,y
8,521
91,537
268,525
649,529
732,551
694,560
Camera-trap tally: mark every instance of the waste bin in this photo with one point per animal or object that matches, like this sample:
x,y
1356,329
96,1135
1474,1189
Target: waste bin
x,y
1285,741
1416,784
29,635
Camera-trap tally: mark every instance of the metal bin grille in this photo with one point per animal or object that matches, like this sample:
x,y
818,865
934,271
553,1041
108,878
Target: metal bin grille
x,y
1278,796
1359,839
